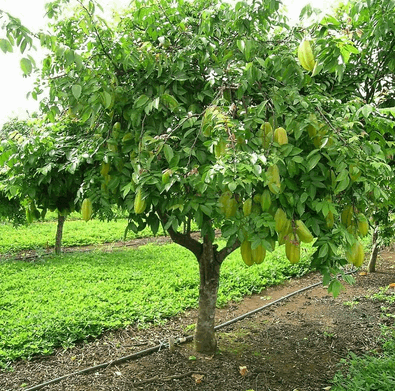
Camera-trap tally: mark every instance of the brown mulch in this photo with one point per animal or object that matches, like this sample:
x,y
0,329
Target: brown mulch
x,y
293,345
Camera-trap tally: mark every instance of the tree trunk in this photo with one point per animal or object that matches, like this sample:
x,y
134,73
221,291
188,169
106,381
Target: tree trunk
x,y
210,260
59,234
209,267
375,250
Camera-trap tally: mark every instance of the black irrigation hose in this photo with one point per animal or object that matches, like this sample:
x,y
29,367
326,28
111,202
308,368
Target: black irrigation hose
x,y
157,348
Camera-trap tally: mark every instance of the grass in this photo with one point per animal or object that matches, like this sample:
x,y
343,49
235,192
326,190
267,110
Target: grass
x,y
61,300
41,235
373,371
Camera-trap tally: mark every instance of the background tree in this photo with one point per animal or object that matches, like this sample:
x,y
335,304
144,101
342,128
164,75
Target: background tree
x,y
186,100
11,209
45,169
361,35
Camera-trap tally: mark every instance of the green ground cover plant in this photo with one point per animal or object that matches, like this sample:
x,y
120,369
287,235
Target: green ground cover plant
x,y
373,371
60,300
76,233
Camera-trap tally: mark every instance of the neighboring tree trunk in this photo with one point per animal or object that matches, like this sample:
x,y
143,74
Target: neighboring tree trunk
x,y
205,341
375,250
59,234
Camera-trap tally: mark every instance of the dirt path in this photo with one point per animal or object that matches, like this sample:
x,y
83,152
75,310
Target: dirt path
x,y
295,344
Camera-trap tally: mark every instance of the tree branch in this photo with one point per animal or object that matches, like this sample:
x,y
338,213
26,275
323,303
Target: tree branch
x,y
184,240
222,254
99,37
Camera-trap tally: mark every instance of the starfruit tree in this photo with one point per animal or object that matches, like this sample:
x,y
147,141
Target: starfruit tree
x,y
216,114
367,45
44,169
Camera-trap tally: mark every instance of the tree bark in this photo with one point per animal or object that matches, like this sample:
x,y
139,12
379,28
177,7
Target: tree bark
x,y
375,250
59,234
210,261
209,268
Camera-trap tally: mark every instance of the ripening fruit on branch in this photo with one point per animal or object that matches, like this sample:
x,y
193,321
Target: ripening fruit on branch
x,y
330,220
292,249
283,234
280,219
355,254
363,224
266,200
273,176
223,199
246,253
112,147
266,133
139,202
86,209
227,204
280,136
258,254
266,127
347,215
273,173
303,232
116,128
306,56
257,198
231,208
220,149
105,169
247,207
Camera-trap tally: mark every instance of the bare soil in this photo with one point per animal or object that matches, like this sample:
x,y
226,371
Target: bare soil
x,y
295,344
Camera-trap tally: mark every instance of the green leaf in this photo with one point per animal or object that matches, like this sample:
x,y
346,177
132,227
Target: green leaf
x,y
169,101
298,159
312,162
107,99
232,186
168,153
261,62
342,185
26,66
126,189
207,210
304,197
323,251
241,45
76,89
5,45
141,101
229,231
335,287
155,226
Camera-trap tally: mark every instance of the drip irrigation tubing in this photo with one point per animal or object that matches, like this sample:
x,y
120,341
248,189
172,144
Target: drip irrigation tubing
x,y
181,340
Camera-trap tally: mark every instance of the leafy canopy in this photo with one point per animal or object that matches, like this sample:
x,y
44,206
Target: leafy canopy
x,y
177,97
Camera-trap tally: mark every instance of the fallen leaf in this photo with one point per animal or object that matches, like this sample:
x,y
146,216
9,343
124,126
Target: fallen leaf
x,y
198,378
243,371
362,274
392,285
